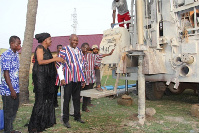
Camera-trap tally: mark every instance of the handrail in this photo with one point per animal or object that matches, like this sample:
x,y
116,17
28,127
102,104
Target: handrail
x,y
186,6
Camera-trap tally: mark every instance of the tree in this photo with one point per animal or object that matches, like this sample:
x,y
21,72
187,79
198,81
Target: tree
x,y
25,58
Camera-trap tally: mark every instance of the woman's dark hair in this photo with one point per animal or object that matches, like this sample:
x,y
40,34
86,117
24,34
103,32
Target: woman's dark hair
x,y
42,36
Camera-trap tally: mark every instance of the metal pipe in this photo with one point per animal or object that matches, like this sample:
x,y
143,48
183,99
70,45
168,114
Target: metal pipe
x,y
141,92
147,19
139,8
132,10
126,85
124,22
141,78
195,19
131,26
171,5
132,3
62,100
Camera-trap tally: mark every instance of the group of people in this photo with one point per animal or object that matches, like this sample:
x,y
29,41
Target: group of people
x,y
74,68
75,71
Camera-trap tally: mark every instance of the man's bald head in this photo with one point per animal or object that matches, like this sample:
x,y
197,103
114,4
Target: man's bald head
x,y
72,36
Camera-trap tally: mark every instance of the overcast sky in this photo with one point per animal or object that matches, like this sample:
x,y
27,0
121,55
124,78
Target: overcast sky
x,y
55,17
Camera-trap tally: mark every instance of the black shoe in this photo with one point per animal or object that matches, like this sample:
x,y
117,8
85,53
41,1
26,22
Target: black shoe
x,y
91,105
86,110
15,131
67,125
79,120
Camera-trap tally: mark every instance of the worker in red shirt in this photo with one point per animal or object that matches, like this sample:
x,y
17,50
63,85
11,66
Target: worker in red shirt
x,y
123,12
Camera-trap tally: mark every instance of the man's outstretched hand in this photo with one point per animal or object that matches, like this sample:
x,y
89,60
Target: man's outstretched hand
x,y
111,52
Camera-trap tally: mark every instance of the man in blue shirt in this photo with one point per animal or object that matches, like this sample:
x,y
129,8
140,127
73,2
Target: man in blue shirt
x,y
9,87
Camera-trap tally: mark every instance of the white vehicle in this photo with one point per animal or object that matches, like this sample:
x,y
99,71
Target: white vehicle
x,y
169,32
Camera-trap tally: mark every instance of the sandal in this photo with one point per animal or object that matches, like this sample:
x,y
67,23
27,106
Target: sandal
x,y
99,89
15,131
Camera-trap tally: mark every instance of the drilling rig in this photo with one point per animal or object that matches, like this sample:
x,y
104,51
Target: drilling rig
x,y
161,48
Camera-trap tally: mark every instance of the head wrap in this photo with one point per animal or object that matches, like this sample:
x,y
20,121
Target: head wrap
x,y
42,36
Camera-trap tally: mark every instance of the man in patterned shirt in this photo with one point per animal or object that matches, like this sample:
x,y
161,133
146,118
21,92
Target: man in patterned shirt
x,y
91,60
71,75
95,50
9,87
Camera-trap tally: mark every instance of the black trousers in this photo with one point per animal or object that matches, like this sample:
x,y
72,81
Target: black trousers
x,y
55,95
10,107
86,100
71,89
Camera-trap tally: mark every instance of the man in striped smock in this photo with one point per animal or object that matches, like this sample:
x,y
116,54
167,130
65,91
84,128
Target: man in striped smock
x,y
71,75
91,60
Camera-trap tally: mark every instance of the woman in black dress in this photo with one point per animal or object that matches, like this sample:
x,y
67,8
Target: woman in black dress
x,y
44,76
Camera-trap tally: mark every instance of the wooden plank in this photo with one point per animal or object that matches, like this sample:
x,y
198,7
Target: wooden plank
x,y
93,93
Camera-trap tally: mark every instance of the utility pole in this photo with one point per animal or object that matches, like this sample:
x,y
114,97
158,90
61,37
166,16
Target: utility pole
x,y
75,22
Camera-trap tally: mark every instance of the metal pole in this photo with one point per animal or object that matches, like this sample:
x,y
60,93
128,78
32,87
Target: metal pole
x,y
62,100
195,20
131,26
132,2
141,78
139,7
126,85
141,92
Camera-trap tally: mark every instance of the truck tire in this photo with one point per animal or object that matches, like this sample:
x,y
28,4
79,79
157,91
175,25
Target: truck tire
x,y
177,91
168,92
155,90
182,86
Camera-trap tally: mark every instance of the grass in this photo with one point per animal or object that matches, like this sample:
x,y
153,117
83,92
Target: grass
x,y
172,115
111,81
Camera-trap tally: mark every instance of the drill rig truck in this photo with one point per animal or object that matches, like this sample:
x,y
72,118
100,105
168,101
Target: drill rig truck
x,y
165,33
